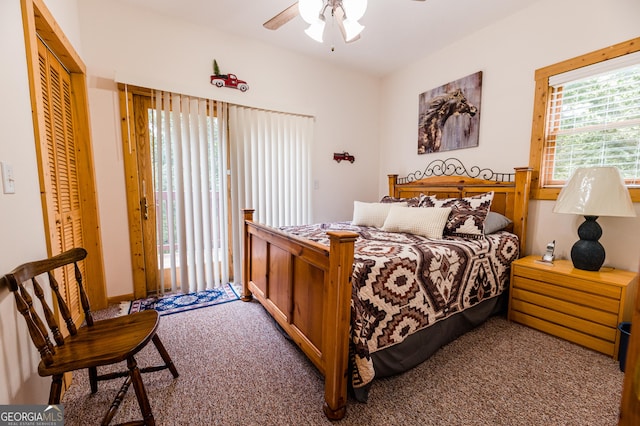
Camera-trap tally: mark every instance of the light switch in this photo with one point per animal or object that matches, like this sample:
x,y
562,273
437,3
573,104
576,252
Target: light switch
x,y
8,180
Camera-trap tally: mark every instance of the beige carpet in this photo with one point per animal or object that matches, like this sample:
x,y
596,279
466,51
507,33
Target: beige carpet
x,y
237,369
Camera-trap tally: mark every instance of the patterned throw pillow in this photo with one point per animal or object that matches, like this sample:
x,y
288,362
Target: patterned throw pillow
x,y
428,222
467,214
411,202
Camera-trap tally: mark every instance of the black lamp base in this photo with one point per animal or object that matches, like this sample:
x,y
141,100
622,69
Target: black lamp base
x,y
587,253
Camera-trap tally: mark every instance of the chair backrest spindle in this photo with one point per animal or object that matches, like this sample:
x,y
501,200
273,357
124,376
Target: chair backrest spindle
x,y
84,300
48,313
34,331
64,309
35,317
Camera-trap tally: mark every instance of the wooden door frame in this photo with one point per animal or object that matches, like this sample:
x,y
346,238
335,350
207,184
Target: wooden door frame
x,y
38,21
142,236
143,259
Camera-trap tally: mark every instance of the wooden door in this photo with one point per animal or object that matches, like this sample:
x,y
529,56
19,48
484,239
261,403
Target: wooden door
x,y
60,169
141,203
630,404
148,203
59,105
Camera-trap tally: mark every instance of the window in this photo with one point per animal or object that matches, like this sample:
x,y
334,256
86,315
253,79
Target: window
x,y
587,113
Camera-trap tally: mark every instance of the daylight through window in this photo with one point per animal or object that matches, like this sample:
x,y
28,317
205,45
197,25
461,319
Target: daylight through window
x,y
593,119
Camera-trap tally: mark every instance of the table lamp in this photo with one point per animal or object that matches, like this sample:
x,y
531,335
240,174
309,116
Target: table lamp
x,y
593,192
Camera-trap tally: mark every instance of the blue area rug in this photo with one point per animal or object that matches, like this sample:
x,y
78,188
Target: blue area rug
x,y
174,303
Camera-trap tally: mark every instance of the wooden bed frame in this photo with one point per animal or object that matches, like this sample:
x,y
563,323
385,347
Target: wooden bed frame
x,y
306,286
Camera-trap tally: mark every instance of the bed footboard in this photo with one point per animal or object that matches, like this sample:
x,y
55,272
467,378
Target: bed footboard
x,y
306,287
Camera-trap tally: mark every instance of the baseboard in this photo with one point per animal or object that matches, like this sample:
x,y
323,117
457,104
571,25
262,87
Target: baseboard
x,y
121,298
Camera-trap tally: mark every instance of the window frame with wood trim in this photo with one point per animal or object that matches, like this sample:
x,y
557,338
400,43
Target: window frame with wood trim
x,y
541,111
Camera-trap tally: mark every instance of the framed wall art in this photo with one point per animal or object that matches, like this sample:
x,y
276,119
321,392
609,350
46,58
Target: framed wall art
x,y
449,115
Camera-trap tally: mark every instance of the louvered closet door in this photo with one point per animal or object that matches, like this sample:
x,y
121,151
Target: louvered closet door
x,y
60,174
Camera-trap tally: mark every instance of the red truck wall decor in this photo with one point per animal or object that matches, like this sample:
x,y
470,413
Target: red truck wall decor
x,y
227,80
339,156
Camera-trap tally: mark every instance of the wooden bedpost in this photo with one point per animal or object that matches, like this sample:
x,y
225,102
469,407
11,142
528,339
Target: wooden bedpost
x,y
246,258
521,205
393,179
336,328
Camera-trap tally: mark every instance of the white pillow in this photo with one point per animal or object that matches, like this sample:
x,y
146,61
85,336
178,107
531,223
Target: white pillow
x,y
428,222
371,214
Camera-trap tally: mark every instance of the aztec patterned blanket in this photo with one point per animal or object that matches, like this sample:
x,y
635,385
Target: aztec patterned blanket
x,y
403,283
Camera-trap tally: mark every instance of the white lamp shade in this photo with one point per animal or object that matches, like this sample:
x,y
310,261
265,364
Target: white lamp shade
x,y
354,9
316,30
310,10
595,191
351,29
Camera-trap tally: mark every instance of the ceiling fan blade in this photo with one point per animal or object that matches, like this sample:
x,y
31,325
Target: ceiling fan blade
x,y
282,18
338,15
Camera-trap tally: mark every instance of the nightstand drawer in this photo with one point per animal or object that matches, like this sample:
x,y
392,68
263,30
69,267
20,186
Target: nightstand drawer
x,y
565,333
569,282
558,292
578,323
578,310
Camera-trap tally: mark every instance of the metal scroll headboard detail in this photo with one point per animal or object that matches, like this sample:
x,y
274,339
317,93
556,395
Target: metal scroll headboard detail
x,y
454,167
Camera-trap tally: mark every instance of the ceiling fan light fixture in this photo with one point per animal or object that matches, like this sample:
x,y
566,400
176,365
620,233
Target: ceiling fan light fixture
x,y
310,10
354,9
352,29
316,30
345,13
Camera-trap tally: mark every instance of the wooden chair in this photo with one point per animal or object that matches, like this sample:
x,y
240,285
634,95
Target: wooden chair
x,y
94,344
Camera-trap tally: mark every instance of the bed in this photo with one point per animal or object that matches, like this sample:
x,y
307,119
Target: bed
x,y
311,279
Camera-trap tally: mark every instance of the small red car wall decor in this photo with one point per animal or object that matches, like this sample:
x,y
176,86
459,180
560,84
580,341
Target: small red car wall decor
x,y
339,156
227,80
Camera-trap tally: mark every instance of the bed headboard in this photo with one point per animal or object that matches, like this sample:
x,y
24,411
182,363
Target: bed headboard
x,y
451,179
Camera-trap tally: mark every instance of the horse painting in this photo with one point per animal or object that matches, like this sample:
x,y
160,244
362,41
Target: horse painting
x,y
459,99
438,111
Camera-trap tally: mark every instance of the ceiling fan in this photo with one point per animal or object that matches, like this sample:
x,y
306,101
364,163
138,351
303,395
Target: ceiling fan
x,y
312,11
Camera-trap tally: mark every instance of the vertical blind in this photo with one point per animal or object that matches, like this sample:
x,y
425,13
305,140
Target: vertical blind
x,y
190,181
594,120
270,169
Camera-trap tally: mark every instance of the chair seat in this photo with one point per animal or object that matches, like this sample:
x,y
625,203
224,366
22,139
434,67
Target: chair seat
x,y
106,342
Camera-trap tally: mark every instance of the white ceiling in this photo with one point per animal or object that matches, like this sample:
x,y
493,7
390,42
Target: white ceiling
x,y
396,31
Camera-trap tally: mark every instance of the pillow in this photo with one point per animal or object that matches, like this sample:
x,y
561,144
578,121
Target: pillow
x,y
495,222
427,200
428,222
467,214
371,214
411,202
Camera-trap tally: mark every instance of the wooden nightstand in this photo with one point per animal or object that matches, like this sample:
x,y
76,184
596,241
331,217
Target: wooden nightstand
x,y
580,306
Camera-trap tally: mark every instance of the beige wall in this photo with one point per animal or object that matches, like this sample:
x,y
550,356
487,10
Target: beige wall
x,y
343,102
508,53
375,120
